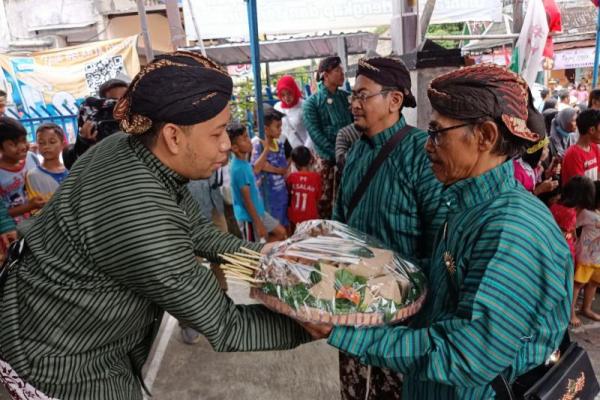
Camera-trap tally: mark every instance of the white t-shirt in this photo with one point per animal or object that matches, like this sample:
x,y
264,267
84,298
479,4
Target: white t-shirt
x,y
292,126
12,183
588,244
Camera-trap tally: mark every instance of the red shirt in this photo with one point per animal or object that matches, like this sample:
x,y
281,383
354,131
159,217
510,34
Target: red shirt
x,y
578,162
305,192
566,219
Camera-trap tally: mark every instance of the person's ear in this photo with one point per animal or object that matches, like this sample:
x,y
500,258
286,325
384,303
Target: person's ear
x,y
396,101
487,136
171,136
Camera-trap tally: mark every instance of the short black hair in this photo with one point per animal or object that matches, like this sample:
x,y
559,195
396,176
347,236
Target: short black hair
x,y
235,130
50,126
301,156
586,120
594,95
271,115
109,85
579,192
11,129
544,93
549,104
564,95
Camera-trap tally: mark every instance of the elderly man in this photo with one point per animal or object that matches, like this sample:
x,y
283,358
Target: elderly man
x,y
401,205
501,275
325,113
117,246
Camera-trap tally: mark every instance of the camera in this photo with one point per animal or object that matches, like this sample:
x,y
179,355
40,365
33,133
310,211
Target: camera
x,y
100,113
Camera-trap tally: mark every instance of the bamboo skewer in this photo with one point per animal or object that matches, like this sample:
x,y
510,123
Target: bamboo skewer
x,y
238,262
245,271
251,252
242,277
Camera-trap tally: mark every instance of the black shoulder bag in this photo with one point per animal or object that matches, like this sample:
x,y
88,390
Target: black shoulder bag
x,y
374,167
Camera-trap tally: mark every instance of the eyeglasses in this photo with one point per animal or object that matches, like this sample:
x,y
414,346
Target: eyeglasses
x,y
363,97
434,133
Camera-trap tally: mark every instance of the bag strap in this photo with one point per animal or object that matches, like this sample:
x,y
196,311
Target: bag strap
x,y
374,167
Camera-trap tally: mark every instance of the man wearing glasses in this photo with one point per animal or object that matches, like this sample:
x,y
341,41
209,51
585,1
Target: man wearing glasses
x,y
401,202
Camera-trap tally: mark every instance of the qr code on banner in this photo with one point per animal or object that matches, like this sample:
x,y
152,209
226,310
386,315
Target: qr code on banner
x,y
99,72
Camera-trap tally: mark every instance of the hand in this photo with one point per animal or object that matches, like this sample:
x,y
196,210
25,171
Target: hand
x,y
268,247
7,238
261,230
88,131
546,186
35,203
317,331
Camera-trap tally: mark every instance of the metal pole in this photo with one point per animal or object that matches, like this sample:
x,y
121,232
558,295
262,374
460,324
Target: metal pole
x,y
255,57
175,28
426,18
144,22
597,55
396,28
198,35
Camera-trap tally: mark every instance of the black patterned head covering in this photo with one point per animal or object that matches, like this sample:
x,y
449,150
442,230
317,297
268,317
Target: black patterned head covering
x,y
389,72
486,90
183,88
326,65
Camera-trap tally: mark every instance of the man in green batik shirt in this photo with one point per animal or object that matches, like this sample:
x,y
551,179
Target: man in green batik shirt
x,y
501,274
117,245
325,113
401,205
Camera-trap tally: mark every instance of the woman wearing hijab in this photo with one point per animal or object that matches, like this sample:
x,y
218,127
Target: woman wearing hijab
x,y
290,104
563,132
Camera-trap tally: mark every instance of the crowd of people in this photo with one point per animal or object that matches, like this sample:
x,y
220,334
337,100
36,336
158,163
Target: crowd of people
x,y
117,243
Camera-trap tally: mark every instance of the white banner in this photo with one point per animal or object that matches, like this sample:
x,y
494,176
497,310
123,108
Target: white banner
x,y
574,58
229,19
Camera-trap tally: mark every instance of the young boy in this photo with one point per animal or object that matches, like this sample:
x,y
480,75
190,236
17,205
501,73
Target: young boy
x,y
255,223
15,162
304,186
44,180
271,165
583,159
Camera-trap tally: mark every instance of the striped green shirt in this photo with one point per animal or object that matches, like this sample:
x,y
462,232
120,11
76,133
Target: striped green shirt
x,y
114,248
402,205
324,115
513,287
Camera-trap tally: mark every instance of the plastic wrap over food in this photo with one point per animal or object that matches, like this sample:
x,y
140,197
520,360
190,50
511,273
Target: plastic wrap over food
x,y
329,273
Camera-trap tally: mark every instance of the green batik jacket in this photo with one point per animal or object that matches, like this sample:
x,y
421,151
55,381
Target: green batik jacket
x,y
324,115
402,205
114,248
500,305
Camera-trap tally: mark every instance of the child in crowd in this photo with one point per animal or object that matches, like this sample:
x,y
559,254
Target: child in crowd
x,y
271,166
564,211
254,222
44,180
15,162
304,187
587,270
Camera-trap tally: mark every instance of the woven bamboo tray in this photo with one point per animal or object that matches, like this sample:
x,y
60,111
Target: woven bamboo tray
x,y
314,315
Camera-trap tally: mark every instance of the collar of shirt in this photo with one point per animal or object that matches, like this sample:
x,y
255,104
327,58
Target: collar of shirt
x,y
172,180
326,94
471,192
382,137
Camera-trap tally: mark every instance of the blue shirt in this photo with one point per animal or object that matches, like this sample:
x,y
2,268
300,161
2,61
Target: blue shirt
x,y
242,175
